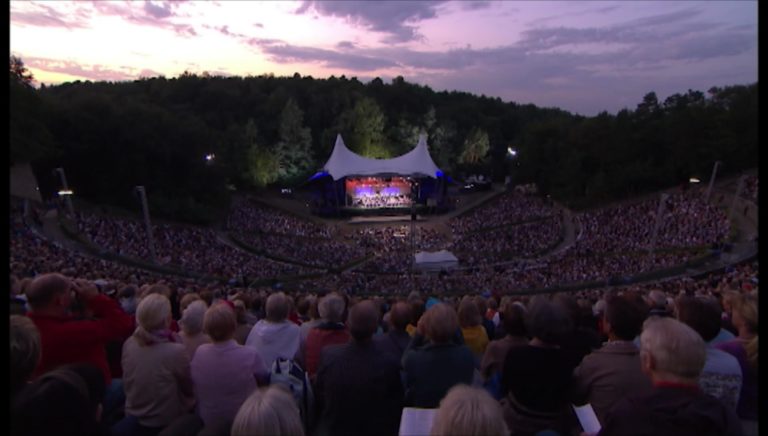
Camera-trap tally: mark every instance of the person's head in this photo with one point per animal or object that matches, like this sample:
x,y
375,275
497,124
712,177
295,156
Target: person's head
x,y
744,313
622,318
701,315
50,291
468,411
159,288
154,313
313,311
269,411
441,323
514,319
58,402
546,321
25,350
187,299
400,316
220,322
469,314
331,308
671,350
363,320
278,307
207,296
657,300
191,321
418,307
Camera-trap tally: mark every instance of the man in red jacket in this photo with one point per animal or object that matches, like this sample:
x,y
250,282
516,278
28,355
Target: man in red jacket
x,y
65,339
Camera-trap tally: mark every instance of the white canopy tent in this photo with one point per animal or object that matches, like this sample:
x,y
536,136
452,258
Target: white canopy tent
x,y
435,260
344,162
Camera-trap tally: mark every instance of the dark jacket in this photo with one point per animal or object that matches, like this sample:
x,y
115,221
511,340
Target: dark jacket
x,y
358,390
431,370
671,410
394,342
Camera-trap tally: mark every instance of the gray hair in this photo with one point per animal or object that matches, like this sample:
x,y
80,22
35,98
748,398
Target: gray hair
x,y
547,321
469,411
277,307
675,347
191,321
331,308
268,411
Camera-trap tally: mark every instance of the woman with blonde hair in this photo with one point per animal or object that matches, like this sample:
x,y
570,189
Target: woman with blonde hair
x,y
468,411
745,318
268,411
156,373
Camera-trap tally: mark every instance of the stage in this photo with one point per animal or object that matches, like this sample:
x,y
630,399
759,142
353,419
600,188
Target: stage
x,y
382,219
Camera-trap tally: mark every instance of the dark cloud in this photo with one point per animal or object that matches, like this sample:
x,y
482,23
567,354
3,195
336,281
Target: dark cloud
x,y
395,19
157,12
345,45
475,5
286,53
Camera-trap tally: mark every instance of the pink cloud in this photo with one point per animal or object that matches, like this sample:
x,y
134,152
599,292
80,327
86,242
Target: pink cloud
x,y
42,15
93,72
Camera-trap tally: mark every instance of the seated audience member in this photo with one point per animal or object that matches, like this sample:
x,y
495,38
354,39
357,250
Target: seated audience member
x,y
613,371
470,320
723,335
224,373
191,323
468,411
65,401
243,327
275,336
269,411
672,356
744,348
63,339
536,378
488,325
314,318
418,307
25,351
721,376
581,339
657,301
188,299
127,298
332,331
156,373
358,387
434,361
513,323
396,339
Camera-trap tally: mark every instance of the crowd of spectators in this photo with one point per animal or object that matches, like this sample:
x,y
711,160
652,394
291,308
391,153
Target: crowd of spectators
x,y
750,189
326,253
185,247
249,215
509,208
393,247
635,353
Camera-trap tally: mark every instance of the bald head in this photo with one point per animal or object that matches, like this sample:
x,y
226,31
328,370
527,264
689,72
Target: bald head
x,y
363,320
44,290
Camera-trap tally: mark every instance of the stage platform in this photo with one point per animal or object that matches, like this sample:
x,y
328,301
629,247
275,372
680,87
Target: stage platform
x,y
382,219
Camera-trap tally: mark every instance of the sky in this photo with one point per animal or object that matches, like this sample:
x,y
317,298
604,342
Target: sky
x,y
583,57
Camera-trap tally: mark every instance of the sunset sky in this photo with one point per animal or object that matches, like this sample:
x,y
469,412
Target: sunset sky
x,y
584,57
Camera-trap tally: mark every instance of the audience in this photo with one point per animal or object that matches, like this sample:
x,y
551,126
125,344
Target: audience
x,y
475,336
156,372
224,373
672,355
468,411
434,360
513,323
269,411
331,331
721,376
191,323
25,351
358,387
613,371
396,339
275,336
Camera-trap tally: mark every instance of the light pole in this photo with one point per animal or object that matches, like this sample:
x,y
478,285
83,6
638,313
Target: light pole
x,y
66,192
712,180
511,153
657,226
145,208
742,179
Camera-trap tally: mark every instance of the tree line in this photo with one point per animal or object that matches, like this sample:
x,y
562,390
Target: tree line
x,y
265,130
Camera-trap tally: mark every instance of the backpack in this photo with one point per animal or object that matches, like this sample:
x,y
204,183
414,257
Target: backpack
x,y
289,374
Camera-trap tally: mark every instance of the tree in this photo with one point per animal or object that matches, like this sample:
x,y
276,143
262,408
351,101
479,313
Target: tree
x,y
261,165
363,126
476,147
293,149
19,73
